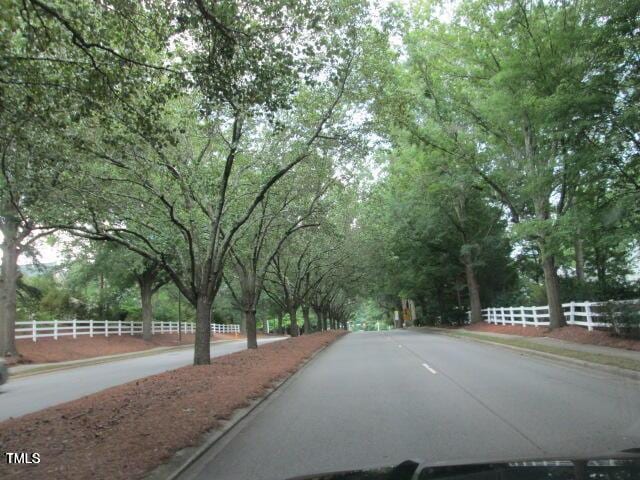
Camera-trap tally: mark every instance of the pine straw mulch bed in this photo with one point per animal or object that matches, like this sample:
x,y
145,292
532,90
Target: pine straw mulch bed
x,y
64,349
571,333
125,431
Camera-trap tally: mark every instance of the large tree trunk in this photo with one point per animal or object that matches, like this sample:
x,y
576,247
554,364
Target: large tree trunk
x,y
294,321
9,287
146,294
293,316
552,286
243,323
202,353
551,280
280,328
579,251
320,323
306,324
250,322
474,291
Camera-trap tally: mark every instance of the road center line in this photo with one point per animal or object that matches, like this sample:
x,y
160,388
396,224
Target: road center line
x,y
429,368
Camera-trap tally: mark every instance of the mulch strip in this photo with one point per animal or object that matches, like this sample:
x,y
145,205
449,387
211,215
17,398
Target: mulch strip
x,y
508,329
64,349
125,431
570,333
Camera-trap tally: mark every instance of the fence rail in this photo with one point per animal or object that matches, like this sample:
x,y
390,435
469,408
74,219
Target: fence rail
x,y
104,328
584,314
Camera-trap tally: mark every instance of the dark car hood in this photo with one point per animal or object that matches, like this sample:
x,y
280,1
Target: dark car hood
x,y
619,466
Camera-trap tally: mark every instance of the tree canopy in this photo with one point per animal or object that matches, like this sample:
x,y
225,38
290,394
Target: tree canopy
x,y
322,158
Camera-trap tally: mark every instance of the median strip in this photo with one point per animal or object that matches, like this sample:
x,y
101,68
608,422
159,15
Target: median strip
x,y
125,431
595,358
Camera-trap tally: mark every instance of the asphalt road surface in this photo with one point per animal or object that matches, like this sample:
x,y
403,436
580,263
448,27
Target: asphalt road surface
x,y
375,399
29,394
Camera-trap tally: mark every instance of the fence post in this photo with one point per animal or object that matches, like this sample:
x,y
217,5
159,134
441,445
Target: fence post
x,y
34,329
513,320
120,328
572,312
161,327
504,320
587,309
55,329
535,316
75,327
91,328
106,328
131,326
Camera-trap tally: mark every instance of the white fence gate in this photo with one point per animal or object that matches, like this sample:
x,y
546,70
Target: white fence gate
x,y
584,314
73,328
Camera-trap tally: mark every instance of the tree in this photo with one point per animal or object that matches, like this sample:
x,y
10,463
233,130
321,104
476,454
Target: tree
x,y
521,104
191,187
54,73
286,209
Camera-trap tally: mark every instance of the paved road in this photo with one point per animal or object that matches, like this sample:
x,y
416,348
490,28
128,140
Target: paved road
x,y
29,394
380,398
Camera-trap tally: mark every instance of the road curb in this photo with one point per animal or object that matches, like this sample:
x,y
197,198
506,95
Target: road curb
x,y
212,438
622,372
56,367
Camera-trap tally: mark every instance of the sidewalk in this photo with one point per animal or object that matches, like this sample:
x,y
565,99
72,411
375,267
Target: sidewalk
x,y
36,368
579,347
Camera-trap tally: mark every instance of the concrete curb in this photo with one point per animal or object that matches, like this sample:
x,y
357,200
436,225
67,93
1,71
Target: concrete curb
x,y
55,367
168,471
622,372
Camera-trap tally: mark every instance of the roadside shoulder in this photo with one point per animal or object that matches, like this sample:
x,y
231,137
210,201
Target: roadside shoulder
x,y
614,364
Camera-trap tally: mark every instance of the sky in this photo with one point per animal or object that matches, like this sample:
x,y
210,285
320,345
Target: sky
x,y
45,253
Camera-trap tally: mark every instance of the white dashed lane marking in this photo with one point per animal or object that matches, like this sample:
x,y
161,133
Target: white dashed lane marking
x,y
429,368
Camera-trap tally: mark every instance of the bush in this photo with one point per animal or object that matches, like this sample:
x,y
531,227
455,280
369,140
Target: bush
x,y
624,318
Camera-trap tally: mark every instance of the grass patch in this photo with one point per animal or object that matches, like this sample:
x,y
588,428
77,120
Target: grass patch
x,y
620,362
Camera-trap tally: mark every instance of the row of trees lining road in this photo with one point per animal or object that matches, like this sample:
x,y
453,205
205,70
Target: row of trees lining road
x,y
319,158
513,134
163,127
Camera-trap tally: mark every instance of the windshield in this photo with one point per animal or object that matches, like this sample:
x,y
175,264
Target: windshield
x,y
249,239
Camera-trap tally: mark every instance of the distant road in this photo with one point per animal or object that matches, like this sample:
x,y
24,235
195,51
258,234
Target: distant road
x,y
29,394
380,398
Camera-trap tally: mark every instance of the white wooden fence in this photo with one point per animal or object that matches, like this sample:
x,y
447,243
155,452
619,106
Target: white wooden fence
x,y
73,328
584,314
